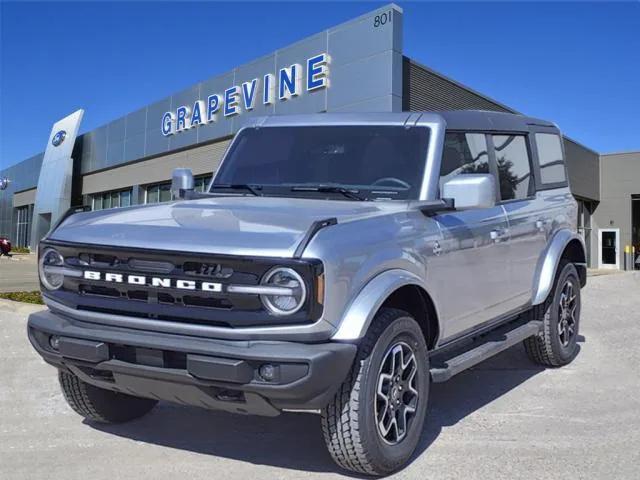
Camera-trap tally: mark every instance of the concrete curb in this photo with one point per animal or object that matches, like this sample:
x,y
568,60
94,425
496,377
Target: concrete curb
x,y
18,307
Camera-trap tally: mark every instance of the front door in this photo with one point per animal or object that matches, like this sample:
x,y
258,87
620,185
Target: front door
x,y
609,246
470,268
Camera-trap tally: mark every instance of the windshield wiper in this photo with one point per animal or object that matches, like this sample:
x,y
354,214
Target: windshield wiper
x,y
253,189
347,192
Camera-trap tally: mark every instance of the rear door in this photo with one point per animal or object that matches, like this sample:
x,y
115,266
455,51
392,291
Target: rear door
x,y
527,214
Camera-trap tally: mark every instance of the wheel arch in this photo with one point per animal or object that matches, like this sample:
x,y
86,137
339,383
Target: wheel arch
x,y
567,245
395,289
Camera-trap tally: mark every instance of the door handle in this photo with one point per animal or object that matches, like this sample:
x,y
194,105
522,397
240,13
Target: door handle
x,y
437,248
498,234
541,224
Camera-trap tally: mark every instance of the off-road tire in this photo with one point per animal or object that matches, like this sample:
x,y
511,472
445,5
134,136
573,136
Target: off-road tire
x,y
349,425
545,348
100,405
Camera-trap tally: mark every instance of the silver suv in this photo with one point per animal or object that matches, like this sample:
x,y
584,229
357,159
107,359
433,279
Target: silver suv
x,y
337,264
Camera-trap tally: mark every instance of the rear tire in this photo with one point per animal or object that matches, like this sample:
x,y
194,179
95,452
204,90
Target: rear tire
x,y
100,405
374,422
556,345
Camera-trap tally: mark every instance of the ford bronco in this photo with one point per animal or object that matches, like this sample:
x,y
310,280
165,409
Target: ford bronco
x,y
337,264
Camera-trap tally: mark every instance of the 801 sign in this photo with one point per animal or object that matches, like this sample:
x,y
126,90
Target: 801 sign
x,y
382,19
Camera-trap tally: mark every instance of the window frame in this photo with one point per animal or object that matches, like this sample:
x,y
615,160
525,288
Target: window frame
x,y
493,163
433,130
540,186
156,188
493,168
109,194
494,160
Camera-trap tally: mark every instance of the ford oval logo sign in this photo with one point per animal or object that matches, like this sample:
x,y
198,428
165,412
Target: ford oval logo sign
x,y
58,138
4,183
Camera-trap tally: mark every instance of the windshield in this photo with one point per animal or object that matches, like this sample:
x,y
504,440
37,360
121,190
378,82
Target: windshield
x,y
373,161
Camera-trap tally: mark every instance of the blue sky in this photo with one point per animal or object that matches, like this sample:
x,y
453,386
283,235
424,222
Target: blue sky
x,y
577,64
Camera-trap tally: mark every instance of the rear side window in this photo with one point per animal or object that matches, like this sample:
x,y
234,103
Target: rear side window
x,y
550,156
463,153
514,167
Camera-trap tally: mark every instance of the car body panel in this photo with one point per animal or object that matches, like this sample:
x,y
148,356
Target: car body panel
x,y
531,223
226,225
548,263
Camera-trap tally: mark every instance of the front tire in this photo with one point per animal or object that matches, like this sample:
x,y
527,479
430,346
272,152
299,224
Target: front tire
x,y
374,422
100,405
557,343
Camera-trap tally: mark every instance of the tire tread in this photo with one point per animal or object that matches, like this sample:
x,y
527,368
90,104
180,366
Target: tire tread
x,y
340,425
540,348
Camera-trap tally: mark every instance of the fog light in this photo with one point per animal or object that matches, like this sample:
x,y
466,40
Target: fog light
x,y
54,341
267,372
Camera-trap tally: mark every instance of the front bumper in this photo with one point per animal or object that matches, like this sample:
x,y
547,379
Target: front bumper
x,y
216,374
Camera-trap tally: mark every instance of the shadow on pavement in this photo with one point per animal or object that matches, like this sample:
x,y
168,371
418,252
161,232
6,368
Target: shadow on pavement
x,y
294,441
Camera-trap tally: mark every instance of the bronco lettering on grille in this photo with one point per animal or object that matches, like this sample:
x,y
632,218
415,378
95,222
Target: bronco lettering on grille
x,y
157,282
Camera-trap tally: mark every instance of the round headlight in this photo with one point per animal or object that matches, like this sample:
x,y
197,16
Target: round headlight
x,y
293,290
50,263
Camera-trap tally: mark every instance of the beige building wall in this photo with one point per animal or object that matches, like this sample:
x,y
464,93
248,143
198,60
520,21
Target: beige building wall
x,y
201,160
27,197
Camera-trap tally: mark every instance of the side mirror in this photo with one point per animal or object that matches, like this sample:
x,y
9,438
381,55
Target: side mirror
x,y
181,182
471,190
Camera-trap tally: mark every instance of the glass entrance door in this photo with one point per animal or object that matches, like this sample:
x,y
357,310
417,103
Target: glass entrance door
x,y
609,248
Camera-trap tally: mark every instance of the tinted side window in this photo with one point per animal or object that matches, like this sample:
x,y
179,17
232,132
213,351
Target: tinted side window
x,y
550,156
514,168
463,153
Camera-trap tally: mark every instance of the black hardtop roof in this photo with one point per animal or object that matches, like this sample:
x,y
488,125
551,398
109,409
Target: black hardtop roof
x,y
455,119
487,120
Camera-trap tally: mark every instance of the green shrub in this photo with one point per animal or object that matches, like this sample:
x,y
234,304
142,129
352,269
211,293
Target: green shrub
x,y
26,297
20,250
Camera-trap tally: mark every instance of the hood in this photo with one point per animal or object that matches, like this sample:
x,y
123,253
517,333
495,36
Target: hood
x,y
235,225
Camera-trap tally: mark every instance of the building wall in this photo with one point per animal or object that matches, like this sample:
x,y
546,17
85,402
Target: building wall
x,y
23,176
583,165
619,180
26,197
425,89
201,160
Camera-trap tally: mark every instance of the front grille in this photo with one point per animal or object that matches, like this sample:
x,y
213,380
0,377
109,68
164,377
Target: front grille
x,y
98,291
154,316
168,302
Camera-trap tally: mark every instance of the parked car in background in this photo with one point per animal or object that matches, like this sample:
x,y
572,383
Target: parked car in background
x,y
5,246
337,264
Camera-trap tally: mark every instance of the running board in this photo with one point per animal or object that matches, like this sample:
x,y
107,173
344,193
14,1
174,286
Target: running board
x,y
491,345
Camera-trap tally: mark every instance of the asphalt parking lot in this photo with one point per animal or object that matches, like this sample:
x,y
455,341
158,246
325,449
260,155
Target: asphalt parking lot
x,y
18,273
505,419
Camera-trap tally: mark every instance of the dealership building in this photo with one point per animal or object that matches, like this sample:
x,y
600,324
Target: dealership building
x,y
357,66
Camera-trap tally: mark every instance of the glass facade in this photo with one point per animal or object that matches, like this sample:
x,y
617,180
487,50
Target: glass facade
x,y
161,192
201,183
158,193
113,199
24,216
